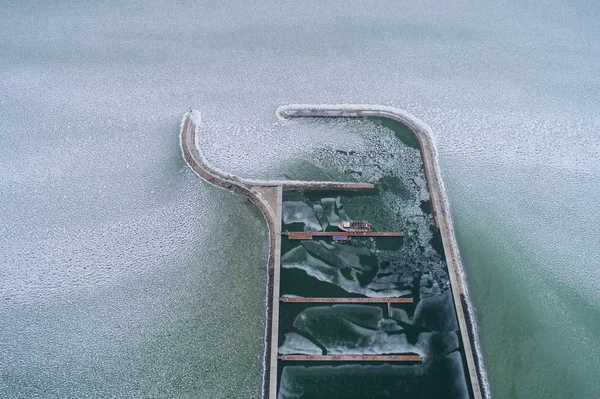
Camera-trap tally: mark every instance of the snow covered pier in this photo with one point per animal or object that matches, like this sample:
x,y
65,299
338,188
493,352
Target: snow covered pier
x,y
350,358
267,196
308,235
297,299
441,214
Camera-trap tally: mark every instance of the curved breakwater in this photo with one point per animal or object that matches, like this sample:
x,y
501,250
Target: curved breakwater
x,y
440,208
267,196
197,162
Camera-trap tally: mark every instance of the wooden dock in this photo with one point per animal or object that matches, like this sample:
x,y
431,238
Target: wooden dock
x,y
350,358
344,300
308,235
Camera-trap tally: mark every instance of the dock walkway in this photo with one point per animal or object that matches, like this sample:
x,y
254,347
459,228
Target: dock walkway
x,y
350,358
296,299
308,235
267,196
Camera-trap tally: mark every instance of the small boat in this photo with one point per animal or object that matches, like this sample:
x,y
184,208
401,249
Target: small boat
x,y
354,226
341,238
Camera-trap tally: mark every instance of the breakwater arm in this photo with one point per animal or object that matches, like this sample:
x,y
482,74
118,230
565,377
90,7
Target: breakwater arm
x,y
267,196
468,329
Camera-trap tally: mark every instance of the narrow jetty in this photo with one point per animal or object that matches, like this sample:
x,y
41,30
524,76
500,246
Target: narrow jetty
x,y
308,235
267,196
350,358
296,299
477,376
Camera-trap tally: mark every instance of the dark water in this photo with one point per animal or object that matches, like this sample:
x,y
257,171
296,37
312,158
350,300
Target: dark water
x,y
437,380
411,266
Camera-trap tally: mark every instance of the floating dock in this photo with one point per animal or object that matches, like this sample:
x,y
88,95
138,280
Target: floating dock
x,y
294,299
308,235
386,300
350,358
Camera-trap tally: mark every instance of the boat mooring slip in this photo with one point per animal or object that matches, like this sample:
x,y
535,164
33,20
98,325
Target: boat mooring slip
x,y
350,358
338,235
295,299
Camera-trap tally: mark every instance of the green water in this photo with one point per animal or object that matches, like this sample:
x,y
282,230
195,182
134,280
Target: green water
x,y
402,133
114,272
375,381
534,346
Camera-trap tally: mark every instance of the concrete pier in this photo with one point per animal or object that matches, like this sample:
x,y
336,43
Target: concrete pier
x,y
296,299
267,196
350,358
308,235
274,344
439,206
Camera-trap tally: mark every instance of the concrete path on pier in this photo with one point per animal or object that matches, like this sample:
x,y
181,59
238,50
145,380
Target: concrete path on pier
x,y
267,196
297,299
439,205
308,235
350,358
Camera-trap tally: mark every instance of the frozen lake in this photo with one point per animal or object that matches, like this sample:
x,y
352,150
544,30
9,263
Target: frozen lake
x,y
122,274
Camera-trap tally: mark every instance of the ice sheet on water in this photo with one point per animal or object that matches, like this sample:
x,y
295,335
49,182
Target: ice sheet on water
x,y
299,212
299,258
400,315
297,344
329,209
350,249
398,169
482,116
365,316
338,203
390,325
428,286
353,329
438,343
334,255
436,312
375,285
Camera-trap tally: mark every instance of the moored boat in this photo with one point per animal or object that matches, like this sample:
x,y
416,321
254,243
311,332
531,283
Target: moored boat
x,y
355,226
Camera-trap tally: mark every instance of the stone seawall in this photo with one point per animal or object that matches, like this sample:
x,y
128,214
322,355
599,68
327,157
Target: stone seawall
x,y
196,161
468,330
267,196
